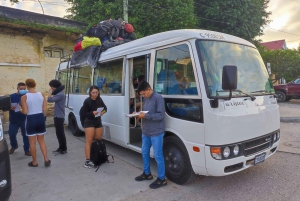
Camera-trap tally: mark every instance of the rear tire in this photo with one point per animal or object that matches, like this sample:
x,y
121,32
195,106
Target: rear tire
x,y
288,98
74,127
177,161
280,96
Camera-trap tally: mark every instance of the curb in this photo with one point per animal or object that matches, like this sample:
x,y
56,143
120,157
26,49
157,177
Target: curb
x,y
290,119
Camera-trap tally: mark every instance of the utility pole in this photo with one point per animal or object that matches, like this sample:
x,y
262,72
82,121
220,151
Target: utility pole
x,y
125,10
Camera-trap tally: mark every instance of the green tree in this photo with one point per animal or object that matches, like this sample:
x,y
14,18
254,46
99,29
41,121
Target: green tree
x,y
284,63
244,18
147,16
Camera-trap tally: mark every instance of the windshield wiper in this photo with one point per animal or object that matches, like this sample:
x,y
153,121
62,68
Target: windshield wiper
x,y
251,97
237,90
260,91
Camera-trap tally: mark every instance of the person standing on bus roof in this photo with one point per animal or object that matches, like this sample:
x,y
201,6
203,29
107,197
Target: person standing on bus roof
x,y
17,120
92,124
153,132
58,97
34,104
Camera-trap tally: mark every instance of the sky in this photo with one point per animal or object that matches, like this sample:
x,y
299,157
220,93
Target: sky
x,y
285,17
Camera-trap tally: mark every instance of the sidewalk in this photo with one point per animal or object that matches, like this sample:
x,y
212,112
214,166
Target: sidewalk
x,y
290,111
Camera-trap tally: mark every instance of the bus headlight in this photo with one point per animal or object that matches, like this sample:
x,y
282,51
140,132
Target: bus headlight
x,y
276,136
226,152
236,150
216,152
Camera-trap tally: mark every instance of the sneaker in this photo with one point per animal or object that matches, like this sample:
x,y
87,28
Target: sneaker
x,y
27,153
143,177
61,152
158,183
57,150
89,164
12,150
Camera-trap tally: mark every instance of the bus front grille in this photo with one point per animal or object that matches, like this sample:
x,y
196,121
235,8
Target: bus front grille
x,y
257,145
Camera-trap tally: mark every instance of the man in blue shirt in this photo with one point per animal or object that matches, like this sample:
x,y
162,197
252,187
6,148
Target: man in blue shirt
x,y
153,128
17,120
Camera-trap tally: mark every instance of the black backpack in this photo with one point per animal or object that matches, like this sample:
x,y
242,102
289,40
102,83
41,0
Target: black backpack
x,y
82,113
98,153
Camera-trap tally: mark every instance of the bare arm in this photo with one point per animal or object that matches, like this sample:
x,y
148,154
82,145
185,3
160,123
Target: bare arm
x,y
44,105
24,104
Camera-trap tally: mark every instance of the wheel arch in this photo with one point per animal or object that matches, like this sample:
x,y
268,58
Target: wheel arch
x,y
281,90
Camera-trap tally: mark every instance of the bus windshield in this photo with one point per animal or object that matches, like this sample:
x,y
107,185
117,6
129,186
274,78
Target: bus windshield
x,y
253,77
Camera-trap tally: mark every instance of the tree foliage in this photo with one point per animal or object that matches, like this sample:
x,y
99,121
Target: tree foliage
x,y
147,16
284,63
242,18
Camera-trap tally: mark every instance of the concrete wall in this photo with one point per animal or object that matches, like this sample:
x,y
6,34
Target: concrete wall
x,y
22,57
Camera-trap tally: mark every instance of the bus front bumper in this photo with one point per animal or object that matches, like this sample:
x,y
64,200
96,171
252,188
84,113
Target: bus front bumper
x,y
226,167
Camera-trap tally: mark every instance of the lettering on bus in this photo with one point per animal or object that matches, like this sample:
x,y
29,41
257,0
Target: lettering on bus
x,y
228,104
212,36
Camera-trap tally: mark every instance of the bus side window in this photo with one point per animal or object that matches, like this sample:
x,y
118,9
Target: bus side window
x,y
81,80
174,74
108,77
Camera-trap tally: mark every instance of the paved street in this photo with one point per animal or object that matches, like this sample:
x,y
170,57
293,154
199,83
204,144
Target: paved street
x,y
66,179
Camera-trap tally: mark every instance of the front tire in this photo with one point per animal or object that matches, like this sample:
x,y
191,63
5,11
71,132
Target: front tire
x,y
177,161
280,96
73,126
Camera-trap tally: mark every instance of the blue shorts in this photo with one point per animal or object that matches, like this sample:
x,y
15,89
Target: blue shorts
x,y
35,124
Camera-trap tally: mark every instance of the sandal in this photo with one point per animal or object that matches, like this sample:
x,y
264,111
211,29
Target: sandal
x,y
47,163
30,164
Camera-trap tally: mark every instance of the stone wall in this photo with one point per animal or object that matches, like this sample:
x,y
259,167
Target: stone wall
x,y
22,57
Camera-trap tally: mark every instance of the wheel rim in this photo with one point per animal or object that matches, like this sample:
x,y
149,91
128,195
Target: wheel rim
x,y
174,161
280,97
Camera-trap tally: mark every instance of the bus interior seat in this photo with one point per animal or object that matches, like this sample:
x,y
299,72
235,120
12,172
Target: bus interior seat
x,y
172,86
115,86
191,91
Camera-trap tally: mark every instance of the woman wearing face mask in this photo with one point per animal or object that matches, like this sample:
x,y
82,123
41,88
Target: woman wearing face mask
x,y
92,124
34,104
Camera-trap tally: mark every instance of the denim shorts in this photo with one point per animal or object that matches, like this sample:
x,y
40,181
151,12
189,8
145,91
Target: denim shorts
x,y
35,124
93,123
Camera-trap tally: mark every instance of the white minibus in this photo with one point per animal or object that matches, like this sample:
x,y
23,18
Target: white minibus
x,y
221,117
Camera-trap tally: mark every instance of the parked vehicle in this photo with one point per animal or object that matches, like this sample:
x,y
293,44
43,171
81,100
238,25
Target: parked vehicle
x,y
224,120
5,172
286,92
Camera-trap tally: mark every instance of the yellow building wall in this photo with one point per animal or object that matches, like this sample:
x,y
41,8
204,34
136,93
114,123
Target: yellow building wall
x,y
22,57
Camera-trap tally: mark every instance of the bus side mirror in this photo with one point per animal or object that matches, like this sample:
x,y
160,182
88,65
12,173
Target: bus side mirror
x,y
229,78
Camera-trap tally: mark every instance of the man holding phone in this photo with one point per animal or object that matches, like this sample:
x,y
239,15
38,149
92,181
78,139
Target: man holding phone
x,y
17,120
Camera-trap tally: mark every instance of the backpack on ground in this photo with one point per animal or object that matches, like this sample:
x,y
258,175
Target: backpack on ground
x,y
82,114
99,154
